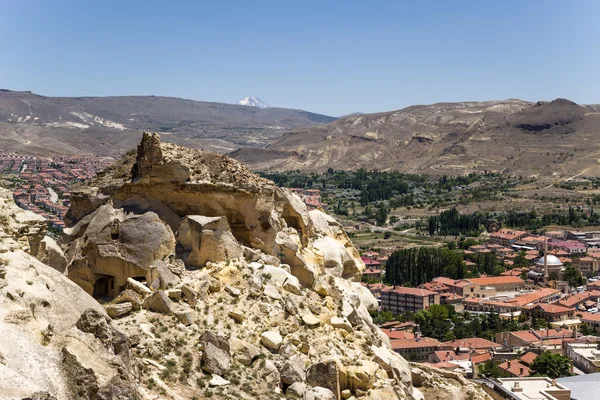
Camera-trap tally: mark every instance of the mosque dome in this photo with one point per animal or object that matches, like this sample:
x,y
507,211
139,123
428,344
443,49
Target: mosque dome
x,y
553,261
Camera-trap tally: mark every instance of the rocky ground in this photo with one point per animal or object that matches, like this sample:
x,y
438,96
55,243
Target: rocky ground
x,y
214,283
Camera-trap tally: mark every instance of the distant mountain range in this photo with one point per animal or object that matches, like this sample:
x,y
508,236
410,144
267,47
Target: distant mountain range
x,y
34,124
252,102
557,138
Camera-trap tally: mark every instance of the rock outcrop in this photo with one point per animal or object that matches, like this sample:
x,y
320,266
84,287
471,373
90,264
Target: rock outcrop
x,y
57,341
223,285
252,297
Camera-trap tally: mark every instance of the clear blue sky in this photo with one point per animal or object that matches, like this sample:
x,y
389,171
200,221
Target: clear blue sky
x,y
322,56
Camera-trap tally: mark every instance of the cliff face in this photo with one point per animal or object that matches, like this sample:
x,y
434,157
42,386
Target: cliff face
x,y
228,287
57,341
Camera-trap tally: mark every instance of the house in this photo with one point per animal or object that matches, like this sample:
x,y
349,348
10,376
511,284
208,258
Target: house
x,y
417,349
529,388
399,299
588,266
372,273
500,283
453,300
515,368
549,312
469,344
461,287
570,246
506,237
591,320
585,356
552,338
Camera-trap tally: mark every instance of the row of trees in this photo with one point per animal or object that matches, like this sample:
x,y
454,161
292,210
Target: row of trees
x,y
414,266
453,223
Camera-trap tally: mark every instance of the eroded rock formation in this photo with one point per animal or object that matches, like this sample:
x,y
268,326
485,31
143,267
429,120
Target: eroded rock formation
x,y
227,286
57,341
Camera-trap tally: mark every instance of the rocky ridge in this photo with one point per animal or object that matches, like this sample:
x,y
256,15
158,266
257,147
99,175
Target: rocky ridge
x,y
228,287
57,341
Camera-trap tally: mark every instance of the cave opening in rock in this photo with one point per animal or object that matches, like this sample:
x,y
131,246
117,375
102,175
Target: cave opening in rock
x,y
104,288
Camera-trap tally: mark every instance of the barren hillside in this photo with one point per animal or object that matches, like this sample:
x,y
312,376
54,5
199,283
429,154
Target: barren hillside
x,y
557,138
30,123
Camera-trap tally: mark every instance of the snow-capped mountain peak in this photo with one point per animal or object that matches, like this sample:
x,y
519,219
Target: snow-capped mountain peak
x,y
253,102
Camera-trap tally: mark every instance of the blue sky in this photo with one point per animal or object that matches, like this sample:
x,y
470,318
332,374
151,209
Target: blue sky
x,y
323,56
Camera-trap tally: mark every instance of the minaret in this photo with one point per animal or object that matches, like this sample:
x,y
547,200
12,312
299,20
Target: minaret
x,y
545,257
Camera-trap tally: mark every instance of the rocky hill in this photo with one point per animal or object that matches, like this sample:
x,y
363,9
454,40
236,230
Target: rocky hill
x,y
224,286
544,138
40,125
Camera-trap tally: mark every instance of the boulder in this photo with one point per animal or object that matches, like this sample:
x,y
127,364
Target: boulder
x,y
189,295
207,239
296,391
117,310
242,351
159,302
129,296
215,339
271,340
160,276
292,371
310,320
361,375
319,393
50,253
114,246
137,287
214,359
272,292
324,374
396,367
341,323
216,380
185,316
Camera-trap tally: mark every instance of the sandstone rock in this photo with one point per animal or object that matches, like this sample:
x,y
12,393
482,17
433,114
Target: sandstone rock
x,y
129,296
324,374
271,340
292,371
346,394
137,287
243,352
174,294
216,380
296,391
268,372
396,367
366,297
115,246
159,271
207,239
319,393
217,340
237,315
341,323
186,317
159,302
190,295
272,292
117,310
214,359
311,320
50,253
361,375
235,292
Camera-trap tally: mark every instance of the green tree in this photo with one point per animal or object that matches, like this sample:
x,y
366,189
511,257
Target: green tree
x,y
573,276
491,370
551,365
